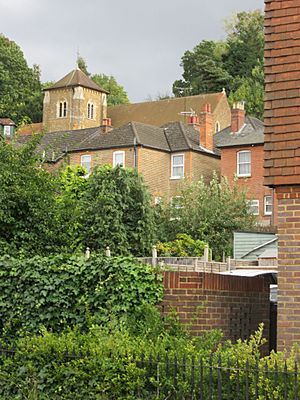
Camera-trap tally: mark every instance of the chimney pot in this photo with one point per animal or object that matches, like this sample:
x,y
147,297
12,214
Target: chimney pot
x,y
237,116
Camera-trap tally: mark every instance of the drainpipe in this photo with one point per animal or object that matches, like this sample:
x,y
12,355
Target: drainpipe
x,y
135,154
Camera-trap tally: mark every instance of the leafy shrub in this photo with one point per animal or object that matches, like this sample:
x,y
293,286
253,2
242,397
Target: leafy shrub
x,y
112,363
182,246
64,291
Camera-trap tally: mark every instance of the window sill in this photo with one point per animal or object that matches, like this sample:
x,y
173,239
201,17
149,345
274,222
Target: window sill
x,y
174,178
243,176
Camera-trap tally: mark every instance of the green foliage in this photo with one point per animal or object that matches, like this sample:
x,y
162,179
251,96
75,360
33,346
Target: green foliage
x,y
208,212
71,187
106,366
27,200
65,291
20,87
117,94
235,64
182,246
203,70
116,212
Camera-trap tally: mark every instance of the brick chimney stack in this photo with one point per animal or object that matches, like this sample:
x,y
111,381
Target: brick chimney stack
x,y
206,127
106,125
237,117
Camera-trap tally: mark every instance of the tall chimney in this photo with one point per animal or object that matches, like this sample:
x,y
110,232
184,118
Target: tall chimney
x,y
206,127
237,117
106,125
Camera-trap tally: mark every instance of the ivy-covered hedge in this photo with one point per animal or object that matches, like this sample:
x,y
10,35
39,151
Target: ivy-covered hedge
x,y
66,291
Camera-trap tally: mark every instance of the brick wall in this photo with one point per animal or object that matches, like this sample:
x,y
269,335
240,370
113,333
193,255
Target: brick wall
x,y
253,184
155,166
282,153
103,157
237,305
282,92
288,266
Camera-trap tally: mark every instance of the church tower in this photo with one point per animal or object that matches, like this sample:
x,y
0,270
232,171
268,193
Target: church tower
x,y
74,102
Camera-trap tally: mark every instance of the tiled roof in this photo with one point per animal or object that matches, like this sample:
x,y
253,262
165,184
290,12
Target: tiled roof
x,y
171,137
30,128
6,121
251,133
76,78
160,112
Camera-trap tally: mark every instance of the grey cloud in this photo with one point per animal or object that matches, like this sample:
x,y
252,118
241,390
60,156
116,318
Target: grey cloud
x,y
139,42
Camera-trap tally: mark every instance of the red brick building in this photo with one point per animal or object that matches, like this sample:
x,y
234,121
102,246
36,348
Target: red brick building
x,y
282,153
242,159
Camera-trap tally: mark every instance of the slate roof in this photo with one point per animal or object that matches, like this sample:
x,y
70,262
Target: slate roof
x,y
172,137
76,78
251,133
160,112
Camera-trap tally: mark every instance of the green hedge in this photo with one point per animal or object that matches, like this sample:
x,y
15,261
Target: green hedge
x,y
102,364
66,291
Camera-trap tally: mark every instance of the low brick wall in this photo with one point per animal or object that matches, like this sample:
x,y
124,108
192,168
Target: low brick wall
x,y
205,301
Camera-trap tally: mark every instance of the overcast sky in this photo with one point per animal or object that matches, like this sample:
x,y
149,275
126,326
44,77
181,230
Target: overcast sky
x,y
139,42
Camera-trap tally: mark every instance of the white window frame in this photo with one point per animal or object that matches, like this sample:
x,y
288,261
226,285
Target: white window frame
x,y
62,109
177,166
83,163
254,204
90,110
268,203
238,163
117,153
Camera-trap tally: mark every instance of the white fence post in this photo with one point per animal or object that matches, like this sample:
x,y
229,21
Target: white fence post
x,y
87,253
154,255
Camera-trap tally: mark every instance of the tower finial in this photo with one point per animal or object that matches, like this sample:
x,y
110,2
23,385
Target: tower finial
x,y
77,58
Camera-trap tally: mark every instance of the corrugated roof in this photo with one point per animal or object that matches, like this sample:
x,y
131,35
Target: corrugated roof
x,y
251,133
160,112
76,78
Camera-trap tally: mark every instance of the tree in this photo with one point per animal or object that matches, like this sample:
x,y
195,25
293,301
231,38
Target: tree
x,y
203,70
116,212
20,87
245,43
208,212
117,94
235,64
28,219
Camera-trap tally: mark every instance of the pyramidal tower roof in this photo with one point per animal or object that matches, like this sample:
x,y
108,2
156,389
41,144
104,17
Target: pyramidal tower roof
x,y
76,78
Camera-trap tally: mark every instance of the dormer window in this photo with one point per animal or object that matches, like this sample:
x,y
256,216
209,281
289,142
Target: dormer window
x,y
90,111
62,109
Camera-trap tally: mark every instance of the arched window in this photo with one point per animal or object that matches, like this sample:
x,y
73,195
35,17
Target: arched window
x,y
90,111
62,109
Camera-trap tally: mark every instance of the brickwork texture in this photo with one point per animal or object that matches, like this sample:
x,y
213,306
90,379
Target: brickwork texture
x,y
205,301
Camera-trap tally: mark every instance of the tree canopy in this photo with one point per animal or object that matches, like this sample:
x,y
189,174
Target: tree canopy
x,y
208,212
117,94
20,87
116,211
235,64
